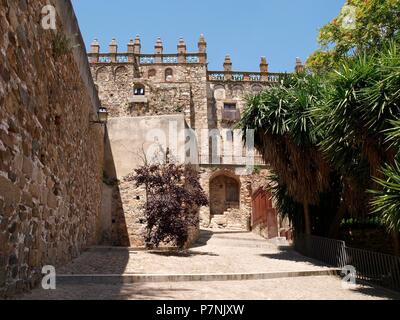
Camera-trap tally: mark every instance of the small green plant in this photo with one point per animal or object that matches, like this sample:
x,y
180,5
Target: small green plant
x,y
62,45
257,170
179,109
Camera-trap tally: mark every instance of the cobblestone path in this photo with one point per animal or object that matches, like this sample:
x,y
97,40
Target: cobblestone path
x,y
216,252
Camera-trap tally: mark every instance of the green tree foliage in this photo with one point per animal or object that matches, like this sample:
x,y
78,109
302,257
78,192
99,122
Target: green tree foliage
x,y
360,104
387,199
361,26
386,202
286,136
331,135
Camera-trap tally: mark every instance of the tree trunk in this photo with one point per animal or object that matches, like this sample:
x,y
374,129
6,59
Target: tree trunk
x,y
307,228
396,244
307,221
334,229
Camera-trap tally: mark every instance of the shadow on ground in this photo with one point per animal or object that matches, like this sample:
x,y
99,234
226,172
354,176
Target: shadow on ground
x,y
137,291
291,255
367,289
183,254
205,236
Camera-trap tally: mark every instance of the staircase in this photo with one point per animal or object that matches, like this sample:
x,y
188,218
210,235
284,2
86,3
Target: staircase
x,y
224,221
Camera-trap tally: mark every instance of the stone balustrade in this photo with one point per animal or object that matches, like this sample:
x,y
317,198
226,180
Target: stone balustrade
x,y
238,76
207,159
143,59
134,55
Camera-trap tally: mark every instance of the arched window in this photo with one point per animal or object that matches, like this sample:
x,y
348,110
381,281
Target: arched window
x,y
152,73
169,74
257,88
102,74
139,90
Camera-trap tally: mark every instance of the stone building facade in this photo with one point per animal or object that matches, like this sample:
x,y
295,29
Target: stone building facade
x,y
133,84
51,154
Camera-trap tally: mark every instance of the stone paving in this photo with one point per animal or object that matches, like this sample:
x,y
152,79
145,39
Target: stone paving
x,y
216,252
304,288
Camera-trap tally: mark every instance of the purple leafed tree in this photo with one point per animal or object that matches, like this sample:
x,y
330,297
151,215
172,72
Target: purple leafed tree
x,y
174,195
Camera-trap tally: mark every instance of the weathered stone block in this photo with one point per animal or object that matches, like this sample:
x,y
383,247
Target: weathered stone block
x,y
9,191
27,167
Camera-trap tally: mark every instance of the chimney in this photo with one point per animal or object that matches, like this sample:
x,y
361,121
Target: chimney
x,y
137,46
264,69
95,51
131,46
228,67
113,49
299,66
158,50
202,47
181,51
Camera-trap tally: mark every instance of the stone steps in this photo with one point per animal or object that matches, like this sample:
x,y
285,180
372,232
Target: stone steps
x,y
142,278
221,222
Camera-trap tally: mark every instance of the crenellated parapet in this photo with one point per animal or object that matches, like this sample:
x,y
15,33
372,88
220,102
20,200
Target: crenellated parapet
x,y
134,54
263,76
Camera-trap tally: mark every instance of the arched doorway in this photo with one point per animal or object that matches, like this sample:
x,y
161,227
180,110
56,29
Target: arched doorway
x,y
224,194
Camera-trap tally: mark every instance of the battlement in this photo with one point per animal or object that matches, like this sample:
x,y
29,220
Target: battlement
x,y
133,55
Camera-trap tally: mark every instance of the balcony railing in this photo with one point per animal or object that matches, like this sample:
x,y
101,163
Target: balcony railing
x,y
238,76
230,160
144,59
230,115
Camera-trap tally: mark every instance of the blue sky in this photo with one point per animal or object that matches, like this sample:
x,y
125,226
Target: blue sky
x,y
281,30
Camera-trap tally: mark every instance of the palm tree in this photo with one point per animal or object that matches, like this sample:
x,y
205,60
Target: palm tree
x,y
362,102
362,99
386,201
285,135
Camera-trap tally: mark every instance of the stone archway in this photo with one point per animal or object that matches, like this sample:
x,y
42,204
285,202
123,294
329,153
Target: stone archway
x,y
224,194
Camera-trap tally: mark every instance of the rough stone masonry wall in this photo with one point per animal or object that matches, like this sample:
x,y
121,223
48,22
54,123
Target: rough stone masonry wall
x,y
127,143
50,156
229,92
180,95
235,217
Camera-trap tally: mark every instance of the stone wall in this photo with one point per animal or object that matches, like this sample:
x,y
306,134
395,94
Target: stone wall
x,y
229,92
173,84
177,94
129,140
234,217
50,155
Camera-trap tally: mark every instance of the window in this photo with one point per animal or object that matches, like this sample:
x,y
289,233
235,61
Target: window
x,y
169,74
230,106
138,90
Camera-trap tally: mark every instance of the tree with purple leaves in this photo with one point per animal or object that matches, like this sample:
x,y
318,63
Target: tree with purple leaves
x,y
174,195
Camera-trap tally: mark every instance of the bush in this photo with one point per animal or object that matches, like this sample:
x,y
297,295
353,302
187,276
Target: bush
x,y
174,195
